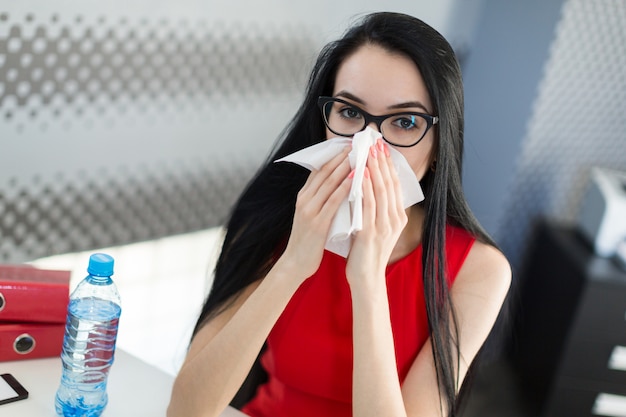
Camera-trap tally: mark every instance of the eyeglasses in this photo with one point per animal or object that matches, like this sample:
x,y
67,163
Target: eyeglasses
x,y
399,129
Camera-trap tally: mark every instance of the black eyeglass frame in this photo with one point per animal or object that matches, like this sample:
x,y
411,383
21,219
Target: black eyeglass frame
x,y
369,118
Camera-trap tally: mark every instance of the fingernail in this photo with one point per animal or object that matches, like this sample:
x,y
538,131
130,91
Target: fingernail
x,y
351,174
373,152
386,147
366,173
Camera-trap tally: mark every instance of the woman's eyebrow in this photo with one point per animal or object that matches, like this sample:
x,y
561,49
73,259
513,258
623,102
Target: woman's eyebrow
x,y
409,104
349,96
405,105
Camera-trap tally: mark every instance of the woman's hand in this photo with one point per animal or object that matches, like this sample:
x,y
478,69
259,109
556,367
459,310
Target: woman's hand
x,y
384,218
316,205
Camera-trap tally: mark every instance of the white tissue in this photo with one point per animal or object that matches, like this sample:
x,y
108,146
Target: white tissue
x,y
349,217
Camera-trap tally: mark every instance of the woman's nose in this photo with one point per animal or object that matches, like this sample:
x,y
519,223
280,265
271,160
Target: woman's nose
x,y
374,125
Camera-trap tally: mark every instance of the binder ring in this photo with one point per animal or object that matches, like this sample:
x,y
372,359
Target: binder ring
x,y
2,302
24,344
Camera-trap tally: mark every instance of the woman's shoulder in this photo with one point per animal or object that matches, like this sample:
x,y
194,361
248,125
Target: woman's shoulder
x,y
485,268
479,292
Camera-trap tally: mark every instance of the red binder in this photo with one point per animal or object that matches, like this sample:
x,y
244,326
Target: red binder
x,y
29,294
30,340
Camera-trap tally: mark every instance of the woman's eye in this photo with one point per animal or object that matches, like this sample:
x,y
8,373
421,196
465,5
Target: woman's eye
x,y
406,122
350,113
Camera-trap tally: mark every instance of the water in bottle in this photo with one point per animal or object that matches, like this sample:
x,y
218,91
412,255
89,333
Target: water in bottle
x,y
89,342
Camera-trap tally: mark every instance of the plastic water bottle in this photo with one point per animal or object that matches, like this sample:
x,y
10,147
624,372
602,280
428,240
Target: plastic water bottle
x,y
89,342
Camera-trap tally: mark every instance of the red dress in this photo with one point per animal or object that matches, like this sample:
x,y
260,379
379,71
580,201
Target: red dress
x,y
309,350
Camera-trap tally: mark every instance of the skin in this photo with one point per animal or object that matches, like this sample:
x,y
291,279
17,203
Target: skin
x,y
217,361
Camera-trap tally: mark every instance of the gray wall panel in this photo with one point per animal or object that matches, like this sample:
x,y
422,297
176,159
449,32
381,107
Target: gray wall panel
x,y
578,120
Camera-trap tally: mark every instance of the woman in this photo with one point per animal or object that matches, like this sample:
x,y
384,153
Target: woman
x,y
392,329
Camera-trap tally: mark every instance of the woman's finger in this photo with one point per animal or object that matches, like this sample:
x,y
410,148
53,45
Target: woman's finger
x,y
378,183
386,165
391,178
321,183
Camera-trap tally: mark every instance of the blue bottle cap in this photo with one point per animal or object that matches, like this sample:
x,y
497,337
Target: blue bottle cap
x,y
100,265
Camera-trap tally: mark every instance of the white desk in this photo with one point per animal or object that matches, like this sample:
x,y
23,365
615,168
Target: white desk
x,y
135,388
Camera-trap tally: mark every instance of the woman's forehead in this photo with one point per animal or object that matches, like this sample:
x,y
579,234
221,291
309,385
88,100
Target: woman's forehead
x,y
381,79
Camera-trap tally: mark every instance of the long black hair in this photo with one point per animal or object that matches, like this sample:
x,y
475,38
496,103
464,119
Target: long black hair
x,y
261,220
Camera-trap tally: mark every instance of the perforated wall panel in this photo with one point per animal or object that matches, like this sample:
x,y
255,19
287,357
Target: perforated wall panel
x,y
122,129
80,68
578,122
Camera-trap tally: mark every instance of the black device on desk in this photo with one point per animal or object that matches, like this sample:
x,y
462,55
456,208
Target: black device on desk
x,y
11,390
570,341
